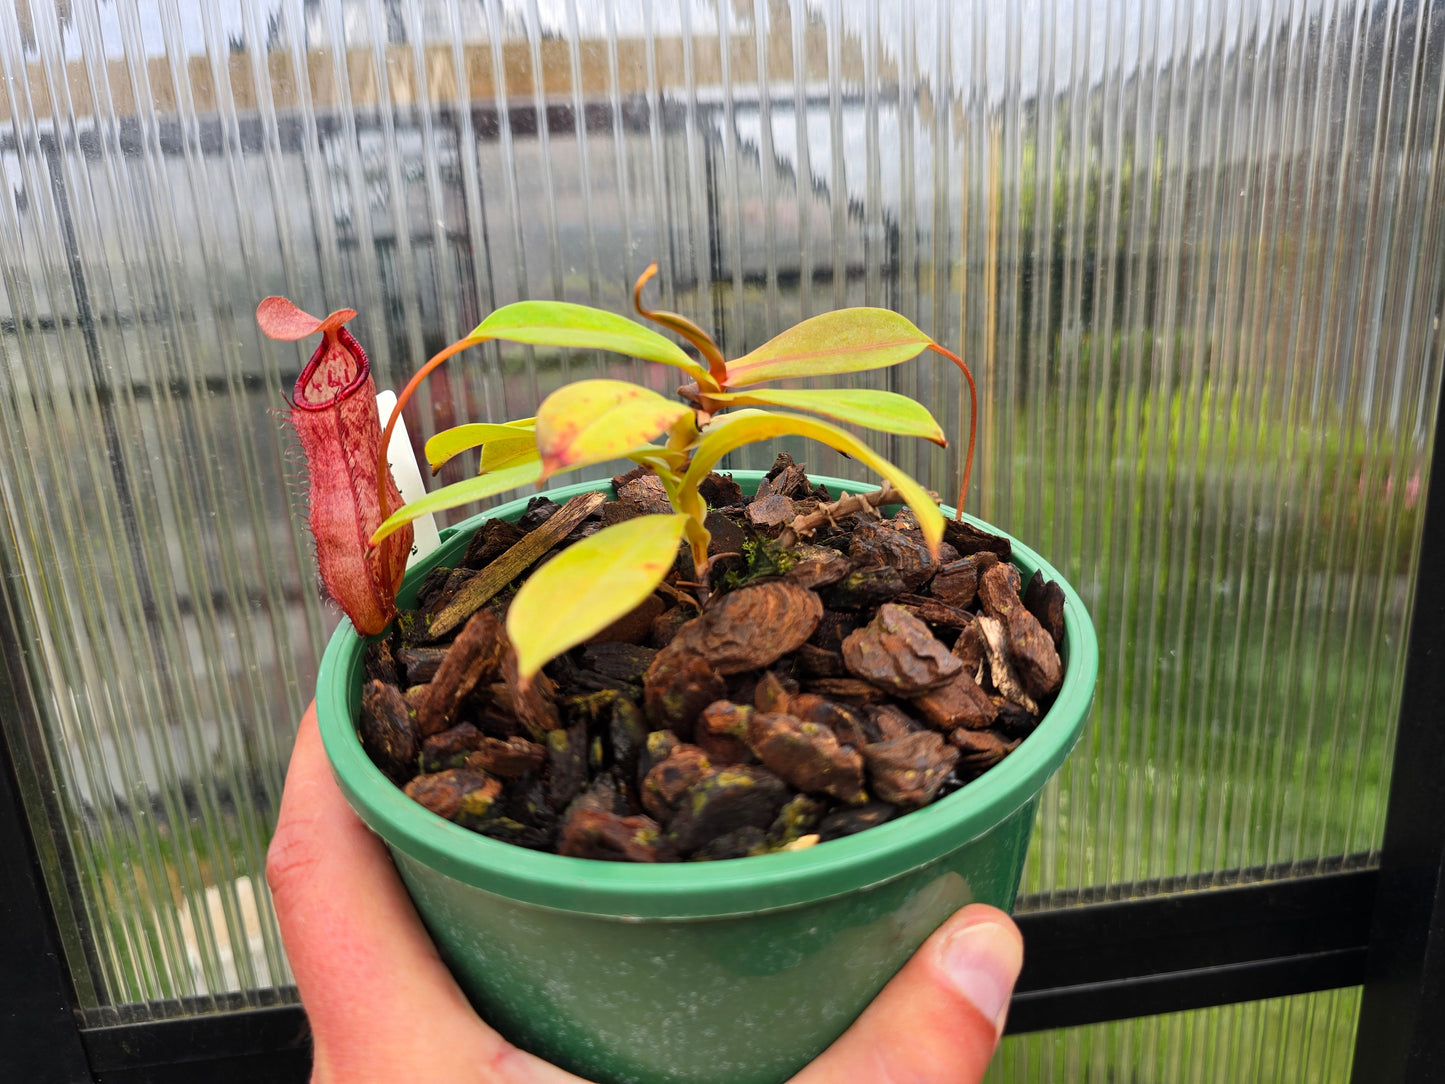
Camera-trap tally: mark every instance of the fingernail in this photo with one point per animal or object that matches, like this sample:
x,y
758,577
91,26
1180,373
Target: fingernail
x,y
983,962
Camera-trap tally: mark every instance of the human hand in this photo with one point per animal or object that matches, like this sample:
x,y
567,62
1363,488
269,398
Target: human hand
x,y
383,1006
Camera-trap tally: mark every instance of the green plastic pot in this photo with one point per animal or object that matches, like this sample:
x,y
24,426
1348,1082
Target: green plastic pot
x,y
731,972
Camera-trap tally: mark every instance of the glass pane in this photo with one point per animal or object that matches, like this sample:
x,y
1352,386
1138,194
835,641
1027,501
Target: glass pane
x,y
1193,253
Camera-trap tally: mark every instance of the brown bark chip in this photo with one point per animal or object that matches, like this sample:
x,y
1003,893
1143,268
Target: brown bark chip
x,y
633,627
420,664
724,800
643,488
723,749
865,587
494,538
664,629
1045,600
909,771
475,656
833,628
387,730
752,627
724,535
854,691
495,578
619,662
1005,679
971,650
771,511
814,662
979,750
566,765
818,566
380,663
890,721
880,544
896,652
592,833
968,539
534,705
808,756
847,822
668,783
720,491
959,703
957,582
771,694
507,758
723,718
1030,648
447,793
449,748
936,614
677,686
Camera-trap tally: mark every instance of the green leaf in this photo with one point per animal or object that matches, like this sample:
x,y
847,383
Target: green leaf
x,y
593,421
886,411
748,426
845,341
588,586
459,493
451,442
561,323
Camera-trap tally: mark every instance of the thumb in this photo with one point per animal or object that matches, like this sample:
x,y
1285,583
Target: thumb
x,y
940,1018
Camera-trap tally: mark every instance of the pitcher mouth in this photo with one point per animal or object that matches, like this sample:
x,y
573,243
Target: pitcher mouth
x,y
353,349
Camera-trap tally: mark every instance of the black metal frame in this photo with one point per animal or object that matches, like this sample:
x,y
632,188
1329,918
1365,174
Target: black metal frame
x,y
1401,1033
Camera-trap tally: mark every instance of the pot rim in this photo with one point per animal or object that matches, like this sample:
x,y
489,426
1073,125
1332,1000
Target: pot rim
x,y
699,889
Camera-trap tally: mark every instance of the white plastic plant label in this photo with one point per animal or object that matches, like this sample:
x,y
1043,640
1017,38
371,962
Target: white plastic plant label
x,y
407,473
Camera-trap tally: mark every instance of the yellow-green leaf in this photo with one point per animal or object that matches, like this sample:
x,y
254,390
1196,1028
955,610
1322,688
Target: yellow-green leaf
x,y
459,493
886,411
748,426
593,421
845,341
588,586
450,442
501,454
561,323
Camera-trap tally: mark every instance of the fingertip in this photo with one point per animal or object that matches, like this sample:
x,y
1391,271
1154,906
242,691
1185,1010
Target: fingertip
x,y
941,1016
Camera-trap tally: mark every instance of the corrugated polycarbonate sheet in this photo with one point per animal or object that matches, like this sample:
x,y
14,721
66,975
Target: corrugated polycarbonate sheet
x,y
1193,253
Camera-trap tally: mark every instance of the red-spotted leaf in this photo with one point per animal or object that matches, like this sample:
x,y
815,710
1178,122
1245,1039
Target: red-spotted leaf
x,y
845,341
589,585
731,431
593,421
885,411
561,323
